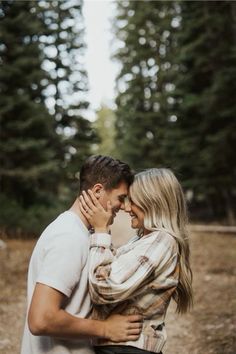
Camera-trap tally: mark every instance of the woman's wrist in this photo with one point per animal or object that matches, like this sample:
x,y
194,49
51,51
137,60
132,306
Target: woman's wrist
x,y
101,230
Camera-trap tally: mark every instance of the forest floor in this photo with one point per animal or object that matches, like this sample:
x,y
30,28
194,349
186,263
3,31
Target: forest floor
x,y
210,328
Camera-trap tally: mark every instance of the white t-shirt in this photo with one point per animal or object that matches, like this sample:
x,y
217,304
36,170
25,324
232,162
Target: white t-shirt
x,y
60,260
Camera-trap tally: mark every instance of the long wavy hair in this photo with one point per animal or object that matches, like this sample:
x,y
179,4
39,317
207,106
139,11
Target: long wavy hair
x,y
159,194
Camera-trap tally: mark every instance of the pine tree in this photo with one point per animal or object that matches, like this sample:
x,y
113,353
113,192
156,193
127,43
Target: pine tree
x,y
29,170
175,104
68,84
203,139
144,83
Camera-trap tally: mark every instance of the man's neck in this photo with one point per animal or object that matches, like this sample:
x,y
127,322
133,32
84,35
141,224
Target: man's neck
x,y
76,209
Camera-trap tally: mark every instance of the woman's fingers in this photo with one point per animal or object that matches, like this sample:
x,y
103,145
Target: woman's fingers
x,y
82,201
93,198
83,210
88,200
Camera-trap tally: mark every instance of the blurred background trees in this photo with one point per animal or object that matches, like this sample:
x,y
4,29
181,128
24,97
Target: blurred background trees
x,y
28,159
175,103
104,125
64,49
144,84
176,96
44,136
205,105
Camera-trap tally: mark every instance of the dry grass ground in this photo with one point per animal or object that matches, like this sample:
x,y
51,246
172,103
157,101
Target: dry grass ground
x,y
208,329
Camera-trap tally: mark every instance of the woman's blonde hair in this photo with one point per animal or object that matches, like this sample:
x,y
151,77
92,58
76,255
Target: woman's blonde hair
x,y
159,194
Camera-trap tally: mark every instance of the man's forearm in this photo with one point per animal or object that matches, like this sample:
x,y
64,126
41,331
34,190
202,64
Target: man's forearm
x,y
47,318
64,325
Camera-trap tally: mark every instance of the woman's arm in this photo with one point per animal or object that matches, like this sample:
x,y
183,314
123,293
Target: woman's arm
x,y
117,278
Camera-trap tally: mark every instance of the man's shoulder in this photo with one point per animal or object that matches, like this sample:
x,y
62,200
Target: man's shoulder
x,y
66,226
67,221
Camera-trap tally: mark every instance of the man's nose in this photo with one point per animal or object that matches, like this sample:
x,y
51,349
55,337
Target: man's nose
x,y
122,206
127,205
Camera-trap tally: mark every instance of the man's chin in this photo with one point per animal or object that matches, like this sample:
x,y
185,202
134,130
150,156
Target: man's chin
x,y
111,220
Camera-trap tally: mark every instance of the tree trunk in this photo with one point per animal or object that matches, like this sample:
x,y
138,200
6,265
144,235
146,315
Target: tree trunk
x,y
229,208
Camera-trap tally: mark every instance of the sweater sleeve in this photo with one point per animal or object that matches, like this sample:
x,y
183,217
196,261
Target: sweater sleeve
x,y
117,278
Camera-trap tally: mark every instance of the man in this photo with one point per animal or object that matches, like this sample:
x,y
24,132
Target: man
x,y
58,298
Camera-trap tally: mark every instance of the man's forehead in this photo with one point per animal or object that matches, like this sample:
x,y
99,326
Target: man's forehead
x,y
123,189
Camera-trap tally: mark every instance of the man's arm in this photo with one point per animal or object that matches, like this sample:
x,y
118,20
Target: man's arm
x,y
47,317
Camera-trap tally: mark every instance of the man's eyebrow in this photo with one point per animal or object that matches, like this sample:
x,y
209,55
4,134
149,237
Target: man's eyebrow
x,y
123,196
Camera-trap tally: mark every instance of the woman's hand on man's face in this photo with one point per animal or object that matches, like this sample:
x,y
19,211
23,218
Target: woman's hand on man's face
x,y
94,212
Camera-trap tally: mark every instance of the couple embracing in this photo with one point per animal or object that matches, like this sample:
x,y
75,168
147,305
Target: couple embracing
x,y
84,296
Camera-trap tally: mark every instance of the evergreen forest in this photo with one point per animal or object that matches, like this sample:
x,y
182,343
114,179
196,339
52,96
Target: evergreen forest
x,y
175,104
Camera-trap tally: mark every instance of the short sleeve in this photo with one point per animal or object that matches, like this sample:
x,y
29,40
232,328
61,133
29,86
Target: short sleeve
x,y
63,260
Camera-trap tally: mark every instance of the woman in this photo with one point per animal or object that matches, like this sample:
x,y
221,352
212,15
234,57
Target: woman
x,y
152,268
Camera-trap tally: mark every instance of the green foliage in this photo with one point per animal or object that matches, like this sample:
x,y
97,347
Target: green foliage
x,y
205,107
27,159
17,221
144,84
176,103
67,85
44,136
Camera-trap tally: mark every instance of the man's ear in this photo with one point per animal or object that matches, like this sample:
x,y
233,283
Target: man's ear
x,y
98,190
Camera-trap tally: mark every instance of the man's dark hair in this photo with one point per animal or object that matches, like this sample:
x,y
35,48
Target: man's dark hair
x,y
105,170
